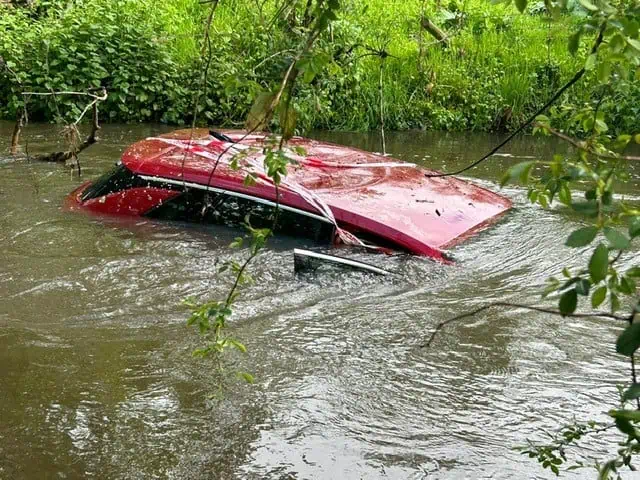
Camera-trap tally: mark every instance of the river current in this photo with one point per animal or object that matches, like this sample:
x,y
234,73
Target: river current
x,y
97,378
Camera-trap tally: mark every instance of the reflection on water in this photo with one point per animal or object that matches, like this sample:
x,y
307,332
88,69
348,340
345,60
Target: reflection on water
x,y
97,381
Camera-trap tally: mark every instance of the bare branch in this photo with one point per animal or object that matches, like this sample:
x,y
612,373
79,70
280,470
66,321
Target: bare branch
x,y
72,153
435,31
53,94
584,146
444,323
17,130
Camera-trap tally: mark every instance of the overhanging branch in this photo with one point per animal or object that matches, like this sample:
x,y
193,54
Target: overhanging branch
x,y
584,146
444,323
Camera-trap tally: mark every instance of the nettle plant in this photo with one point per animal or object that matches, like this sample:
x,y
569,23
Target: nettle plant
x,y
586,182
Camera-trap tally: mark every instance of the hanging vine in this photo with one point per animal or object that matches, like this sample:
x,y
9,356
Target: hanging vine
x,y
211,318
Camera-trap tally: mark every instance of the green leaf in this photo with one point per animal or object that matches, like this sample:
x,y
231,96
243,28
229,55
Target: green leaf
x,y
598,296
634,227
543,201
631,28
633,272
288,119
591,62
260,112
626,427
634,43
629,340
615,302
582,287
590,208
237,345
631,393
599,263
552,286
564,195
588,5
568,302
519,171
628,415
574,42
249,180
543,119
521,5
627,286
622,141
247,377
637,138
604,71
581,237
617,240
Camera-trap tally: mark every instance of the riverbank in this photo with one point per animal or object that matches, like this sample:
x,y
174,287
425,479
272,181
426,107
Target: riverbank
x,y
499,67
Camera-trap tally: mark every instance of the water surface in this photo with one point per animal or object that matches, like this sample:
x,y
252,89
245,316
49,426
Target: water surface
x,y
97,381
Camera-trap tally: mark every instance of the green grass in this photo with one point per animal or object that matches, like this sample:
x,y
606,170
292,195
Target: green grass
x,y
500,66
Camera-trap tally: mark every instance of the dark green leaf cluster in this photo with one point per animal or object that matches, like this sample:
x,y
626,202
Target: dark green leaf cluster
x,y
92,44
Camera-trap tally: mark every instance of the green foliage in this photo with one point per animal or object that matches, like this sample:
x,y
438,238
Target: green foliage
x,y
554,454
593,172
582,237
89,44
500,66
629,340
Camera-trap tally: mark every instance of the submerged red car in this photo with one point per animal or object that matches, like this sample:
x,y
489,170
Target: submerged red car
x,y
331,193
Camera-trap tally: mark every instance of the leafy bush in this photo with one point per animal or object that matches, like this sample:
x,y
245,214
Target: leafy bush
x,y
500,65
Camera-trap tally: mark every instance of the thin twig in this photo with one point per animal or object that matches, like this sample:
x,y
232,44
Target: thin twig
x,y
381,92
584,146
272,56
518,305
288,81
53,94
203,84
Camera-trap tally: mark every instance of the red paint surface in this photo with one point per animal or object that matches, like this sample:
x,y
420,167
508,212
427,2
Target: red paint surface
x,y
420,214
132,202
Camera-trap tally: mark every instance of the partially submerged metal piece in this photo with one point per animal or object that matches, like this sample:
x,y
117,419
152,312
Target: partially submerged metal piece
x,y
305,260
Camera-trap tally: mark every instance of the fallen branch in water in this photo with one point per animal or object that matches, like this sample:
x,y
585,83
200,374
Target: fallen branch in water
x,y
70,132
444,323
17,130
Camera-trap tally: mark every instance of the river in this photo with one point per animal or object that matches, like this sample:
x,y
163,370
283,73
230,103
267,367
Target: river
x,y
97,379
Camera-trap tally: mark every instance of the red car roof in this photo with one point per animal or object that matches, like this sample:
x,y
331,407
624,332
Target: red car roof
x,y
365,192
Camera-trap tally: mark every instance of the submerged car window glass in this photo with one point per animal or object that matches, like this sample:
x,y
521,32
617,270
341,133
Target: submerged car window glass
x,y
118,179
199,206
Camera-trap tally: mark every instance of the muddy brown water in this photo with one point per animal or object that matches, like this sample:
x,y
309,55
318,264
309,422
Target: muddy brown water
x,y
97,380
